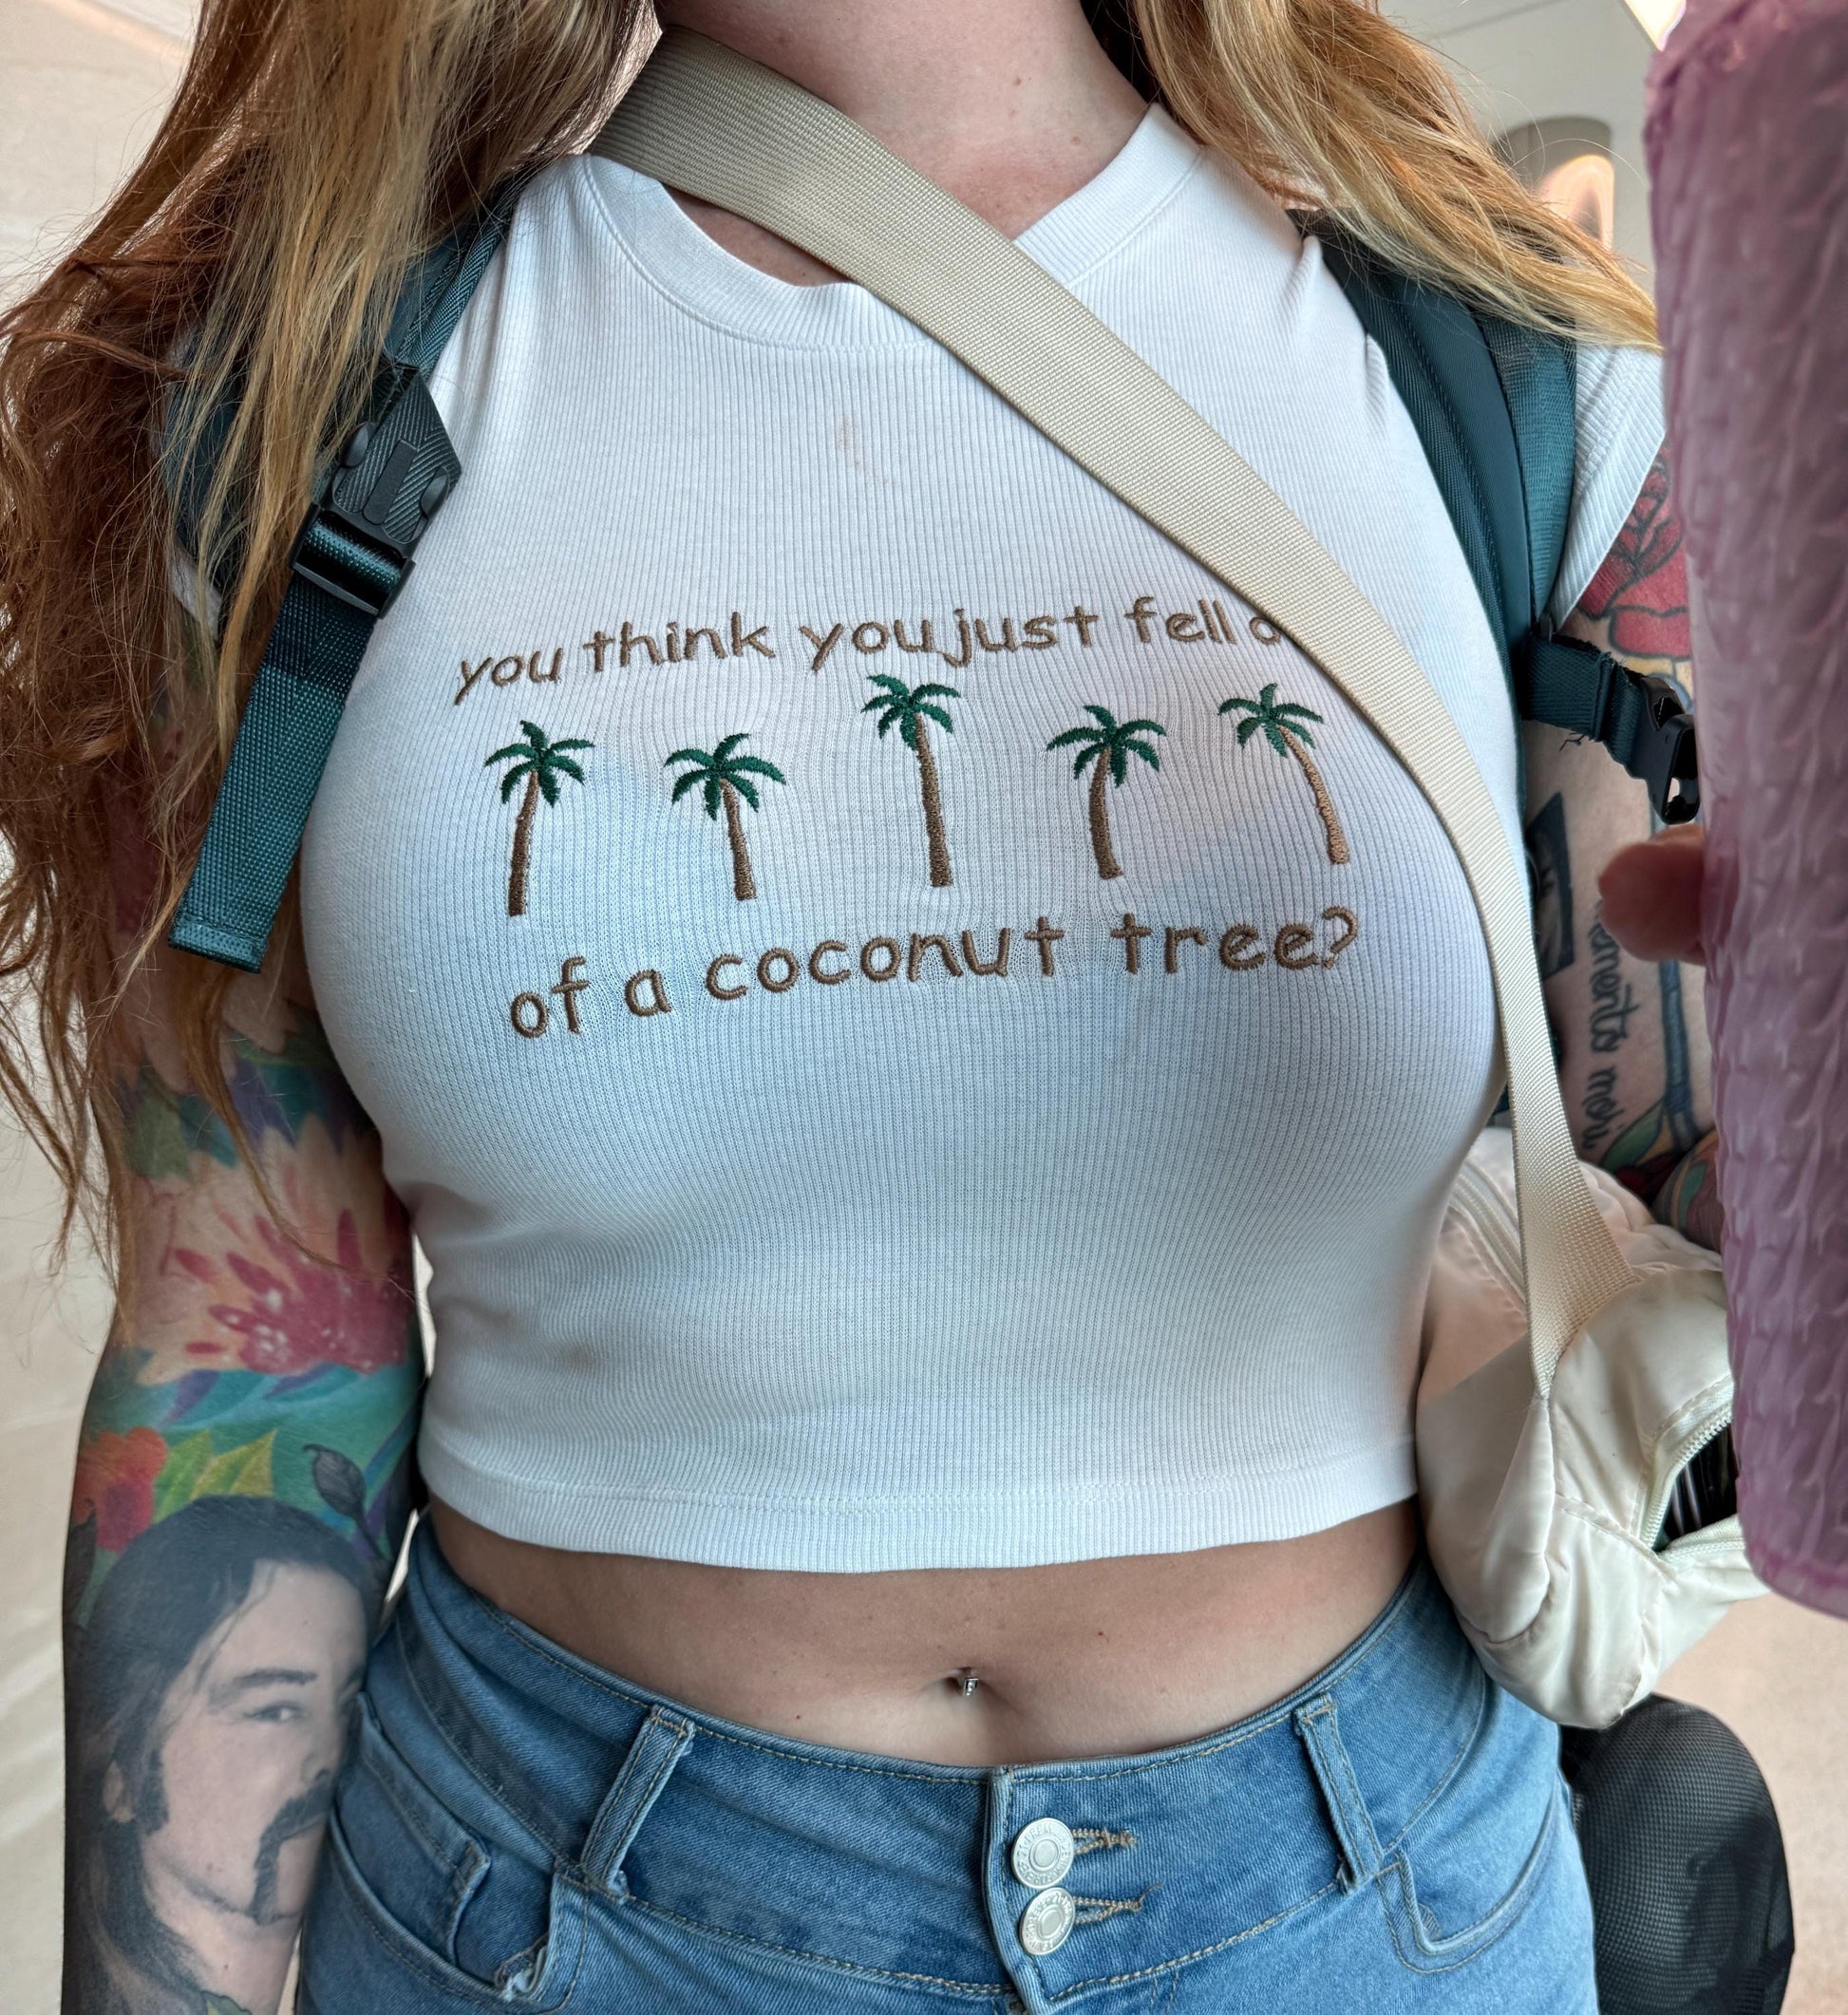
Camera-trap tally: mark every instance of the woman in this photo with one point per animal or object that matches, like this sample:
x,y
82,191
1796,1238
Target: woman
x,y
928,1213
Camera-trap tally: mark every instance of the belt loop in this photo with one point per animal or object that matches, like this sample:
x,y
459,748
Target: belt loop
x,y
1353,1826
647,1767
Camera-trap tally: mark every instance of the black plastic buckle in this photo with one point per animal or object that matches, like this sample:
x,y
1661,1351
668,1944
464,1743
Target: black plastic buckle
x,y
389,479
319,562
1666,754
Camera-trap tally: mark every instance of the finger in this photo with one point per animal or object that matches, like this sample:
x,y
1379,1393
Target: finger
x,y
1649,896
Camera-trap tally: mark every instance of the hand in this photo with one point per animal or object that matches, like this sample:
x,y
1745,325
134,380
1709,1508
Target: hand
x,y
1651,896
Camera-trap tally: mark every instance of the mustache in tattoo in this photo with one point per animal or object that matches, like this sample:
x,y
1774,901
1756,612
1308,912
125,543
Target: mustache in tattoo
x,y
301,1815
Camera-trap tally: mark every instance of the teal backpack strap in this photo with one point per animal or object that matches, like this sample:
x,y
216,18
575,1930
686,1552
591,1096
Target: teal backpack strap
x,y
350,558
1495,405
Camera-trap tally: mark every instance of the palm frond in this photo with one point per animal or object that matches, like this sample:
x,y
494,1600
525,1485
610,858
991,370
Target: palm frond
x,y
548,782
1274,735
565,763
681,785
747,790
935,692
1101,714
891,685
1074,735
688,755
1293,706
535,734
1152,757
521,749
1118,768
723,752
937,714
715,795
1302,734
511,778
759,768
1248,728
1142,727
1267,697
574,742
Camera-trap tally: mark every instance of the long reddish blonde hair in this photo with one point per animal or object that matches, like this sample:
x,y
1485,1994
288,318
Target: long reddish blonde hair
x,y
314,149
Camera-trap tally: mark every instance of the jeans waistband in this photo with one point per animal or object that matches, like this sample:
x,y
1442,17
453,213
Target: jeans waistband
x,y
761,1835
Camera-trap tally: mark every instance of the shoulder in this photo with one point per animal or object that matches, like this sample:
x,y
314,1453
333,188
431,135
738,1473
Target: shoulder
x,y
1620,435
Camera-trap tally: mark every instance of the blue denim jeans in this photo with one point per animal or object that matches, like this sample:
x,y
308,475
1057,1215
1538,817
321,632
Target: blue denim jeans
x,y
515,1828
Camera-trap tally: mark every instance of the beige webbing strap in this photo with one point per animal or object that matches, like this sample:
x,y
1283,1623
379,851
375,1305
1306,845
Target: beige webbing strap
x,y
704,119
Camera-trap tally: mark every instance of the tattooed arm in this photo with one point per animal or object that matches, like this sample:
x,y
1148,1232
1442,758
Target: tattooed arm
x,y
243,1483
1634,1062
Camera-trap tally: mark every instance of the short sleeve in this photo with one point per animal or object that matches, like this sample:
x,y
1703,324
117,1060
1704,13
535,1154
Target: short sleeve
x,y
1620,433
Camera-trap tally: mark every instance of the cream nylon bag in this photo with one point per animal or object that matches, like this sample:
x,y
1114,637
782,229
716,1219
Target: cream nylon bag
x,y
1550,1423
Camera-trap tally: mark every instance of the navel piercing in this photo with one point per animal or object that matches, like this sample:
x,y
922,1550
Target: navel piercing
x,y
969,1680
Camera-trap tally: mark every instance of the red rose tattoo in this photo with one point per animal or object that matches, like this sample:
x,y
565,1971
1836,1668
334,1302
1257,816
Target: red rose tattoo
x,y
1641,590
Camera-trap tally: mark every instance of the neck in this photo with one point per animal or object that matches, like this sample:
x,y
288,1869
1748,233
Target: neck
x,y
1008,104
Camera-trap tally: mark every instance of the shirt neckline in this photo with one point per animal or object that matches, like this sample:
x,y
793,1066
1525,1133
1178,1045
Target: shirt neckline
x,y
711,284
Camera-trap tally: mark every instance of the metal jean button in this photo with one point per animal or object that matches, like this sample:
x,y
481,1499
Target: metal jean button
x,y
1043,1853
1046,1922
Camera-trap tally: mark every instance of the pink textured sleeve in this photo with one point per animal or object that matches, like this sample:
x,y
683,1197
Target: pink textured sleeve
x,y
1747,141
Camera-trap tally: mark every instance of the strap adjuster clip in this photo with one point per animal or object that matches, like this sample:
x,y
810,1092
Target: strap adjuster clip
x,y
332,554
1665,754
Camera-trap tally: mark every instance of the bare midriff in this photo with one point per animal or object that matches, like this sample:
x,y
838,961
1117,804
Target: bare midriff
x,y
1084,1658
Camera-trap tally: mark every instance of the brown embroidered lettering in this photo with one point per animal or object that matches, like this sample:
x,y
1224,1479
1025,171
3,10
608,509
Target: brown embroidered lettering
x,y
924,629
822,645
568,989
1141,615
1225,621
1045,935
597,644
1040,631
1008,641
724,993
673,643
965,647
637,640
468,678
1172,940
879,634
830,977
545,678
501,664
656,1001
1083,620
1234,945
1291,940
999,969
689,643
530,1015
1336,914
1265,633
1212,628
1183,628
744,640
887,971
792,970
941,946
1132,934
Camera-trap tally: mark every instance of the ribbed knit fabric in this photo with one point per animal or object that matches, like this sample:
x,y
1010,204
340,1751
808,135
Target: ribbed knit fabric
x,y
932,1157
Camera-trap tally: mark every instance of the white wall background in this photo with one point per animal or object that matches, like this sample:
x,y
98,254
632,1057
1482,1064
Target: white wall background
x,y
81,86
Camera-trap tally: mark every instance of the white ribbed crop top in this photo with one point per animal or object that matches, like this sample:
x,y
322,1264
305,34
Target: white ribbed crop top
x,y
913,1031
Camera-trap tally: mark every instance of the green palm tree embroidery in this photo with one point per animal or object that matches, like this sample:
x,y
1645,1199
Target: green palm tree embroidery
x,y
726,777
1281,730
907,707
1107,747
542,764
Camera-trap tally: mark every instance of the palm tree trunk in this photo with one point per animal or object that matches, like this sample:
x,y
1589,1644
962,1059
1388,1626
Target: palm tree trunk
x,y
1109,866
926,763
522,846
743,884
1325,804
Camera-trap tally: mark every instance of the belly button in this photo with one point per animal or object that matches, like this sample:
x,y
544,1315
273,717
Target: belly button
x,y
965,1678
